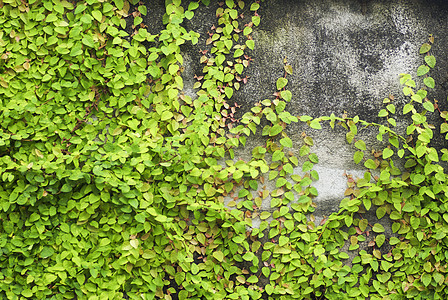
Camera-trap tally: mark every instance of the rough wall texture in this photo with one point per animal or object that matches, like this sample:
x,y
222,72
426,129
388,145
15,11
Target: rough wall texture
x,y
347,56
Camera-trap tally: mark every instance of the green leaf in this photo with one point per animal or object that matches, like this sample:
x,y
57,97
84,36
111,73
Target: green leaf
x,y
417,179
378,228
288,69
280,106
189,14
425,48
140,218
439,235
383,277
385,175
380,239
286,95
250,44
218,255
407,108
415,222
119,4
383,113
166,115
97,15
239,68
428,106
269,289
387,153
281,181
392,122
252,279
380,212
276,129
278,155
422,70
443,127
370,164
248,256
363,224
394,240
437,277
349,137
416,98
76,50
315,124
88,41
281,83
173,69
286,142
143,9
230,3
282,250
407,90
194,268
27,293
229,92
430,60
51,18
46,77
426,279
305,118
307,166
410,83
408,207
361,145
254,6
193,5
429,82
348,221
238,53
313,158
367,203
46,252
391,108
264,215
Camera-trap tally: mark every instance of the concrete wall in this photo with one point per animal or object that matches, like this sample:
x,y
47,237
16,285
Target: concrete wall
x,y
347,56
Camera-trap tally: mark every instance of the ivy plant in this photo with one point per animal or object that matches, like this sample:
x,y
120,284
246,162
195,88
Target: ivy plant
x,y
116,184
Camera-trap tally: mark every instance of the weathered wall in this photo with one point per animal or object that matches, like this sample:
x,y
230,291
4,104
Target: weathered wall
x,y
347,56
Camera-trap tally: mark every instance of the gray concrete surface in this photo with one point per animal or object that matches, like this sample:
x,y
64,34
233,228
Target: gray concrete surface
x,y
346,55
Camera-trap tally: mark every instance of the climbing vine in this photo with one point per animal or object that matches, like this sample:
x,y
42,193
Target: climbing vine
x,y
117,184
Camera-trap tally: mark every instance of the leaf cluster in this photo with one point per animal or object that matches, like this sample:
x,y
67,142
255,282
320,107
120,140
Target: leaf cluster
x,y
115,183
